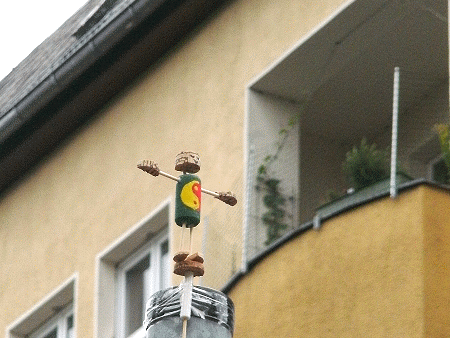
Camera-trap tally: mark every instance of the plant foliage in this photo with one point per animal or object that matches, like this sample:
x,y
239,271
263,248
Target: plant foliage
x,y
366,165
274,199
444,140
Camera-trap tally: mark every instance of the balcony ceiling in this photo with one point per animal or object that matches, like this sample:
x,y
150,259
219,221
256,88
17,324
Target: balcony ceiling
x,y
344,70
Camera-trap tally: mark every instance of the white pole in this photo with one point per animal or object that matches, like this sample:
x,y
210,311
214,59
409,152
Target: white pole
x,y
186,301
248,191
393,183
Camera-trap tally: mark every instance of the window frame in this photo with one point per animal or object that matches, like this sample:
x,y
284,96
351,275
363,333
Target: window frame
x,y
64,297
59,321
107,261
153,249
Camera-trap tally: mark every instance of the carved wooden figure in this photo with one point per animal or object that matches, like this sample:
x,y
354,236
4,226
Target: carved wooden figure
x,y
187,215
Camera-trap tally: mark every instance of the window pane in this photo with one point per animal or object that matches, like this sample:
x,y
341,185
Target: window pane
x,y
69,333
52,334
135,294
164,265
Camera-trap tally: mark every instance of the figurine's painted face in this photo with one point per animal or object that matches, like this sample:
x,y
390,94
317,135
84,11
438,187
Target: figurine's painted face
x,y
191,195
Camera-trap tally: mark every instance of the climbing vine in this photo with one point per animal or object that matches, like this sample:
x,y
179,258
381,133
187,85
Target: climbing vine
x,y
273,199
443,131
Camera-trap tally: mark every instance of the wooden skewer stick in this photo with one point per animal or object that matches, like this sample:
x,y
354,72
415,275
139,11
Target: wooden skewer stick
x,y
184,328
153,169
209,192
162,173
190,240
186,300
186,297
182,237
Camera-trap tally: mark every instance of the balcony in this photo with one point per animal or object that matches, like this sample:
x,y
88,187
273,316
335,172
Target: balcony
x,y
375,270
334,88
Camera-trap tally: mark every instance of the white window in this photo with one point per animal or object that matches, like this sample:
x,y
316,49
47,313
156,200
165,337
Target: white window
x,y
53,317
59,326
138,277
129,271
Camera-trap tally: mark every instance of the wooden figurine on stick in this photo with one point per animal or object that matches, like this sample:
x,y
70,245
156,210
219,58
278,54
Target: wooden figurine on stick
x,y
187,216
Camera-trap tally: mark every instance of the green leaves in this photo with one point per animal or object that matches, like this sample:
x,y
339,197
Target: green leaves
x,y
443,131
283,132
273,199
262,170
366,165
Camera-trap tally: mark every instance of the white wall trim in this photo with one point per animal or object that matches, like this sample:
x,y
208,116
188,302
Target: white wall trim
x,y
300,42
106,261
65,293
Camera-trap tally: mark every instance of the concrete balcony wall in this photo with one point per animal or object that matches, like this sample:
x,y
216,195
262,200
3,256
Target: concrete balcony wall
x,y
375,271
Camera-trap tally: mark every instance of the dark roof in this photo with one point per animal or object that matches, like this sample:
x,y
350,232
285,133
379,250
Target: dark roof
x,y
38,65
75,71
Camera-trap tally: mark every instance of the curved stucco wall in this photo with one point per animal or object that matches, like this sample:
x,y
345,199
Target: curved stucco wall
x,y
376,271
87,193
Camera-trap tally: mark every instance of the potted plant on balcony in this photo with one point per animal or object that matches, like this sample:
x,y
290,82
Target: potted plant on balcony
x,y
368,172
366,165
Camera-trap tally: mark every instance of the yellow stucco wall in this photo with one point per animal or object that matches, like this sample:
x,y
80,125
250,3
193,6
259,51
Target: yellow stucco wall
x,y
88,192
436,263
380,270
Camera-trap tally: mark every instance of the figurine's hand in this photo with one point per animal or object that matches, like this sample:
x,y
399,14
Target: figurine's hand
x,y
149,167
227,197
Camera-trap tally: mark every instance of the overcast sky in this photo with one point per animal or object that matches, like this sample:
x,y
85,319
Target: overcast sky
x,y
25,24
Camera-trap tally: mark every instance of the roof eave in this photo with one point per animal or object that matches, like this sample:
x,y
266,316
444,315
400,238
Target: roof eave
x,y
101,66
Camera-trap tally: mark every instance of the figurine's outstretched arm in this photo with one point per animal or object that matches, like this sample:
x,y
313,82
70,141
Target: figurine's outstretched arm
x,y
153,169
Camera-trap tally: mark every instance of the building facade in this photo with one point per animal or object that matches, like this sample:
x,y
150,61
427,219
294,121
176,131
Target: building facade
x,y
86,237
